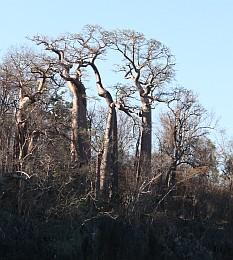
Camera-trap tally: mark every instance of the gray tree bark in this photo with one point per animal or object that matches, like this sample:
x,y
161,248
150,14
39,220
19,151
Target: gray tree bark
x,y
109,160
144,167
79,146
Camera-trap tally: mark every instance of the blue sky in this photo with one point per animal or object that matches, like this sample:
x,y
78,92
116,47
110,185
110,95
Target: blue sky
x,y
198,32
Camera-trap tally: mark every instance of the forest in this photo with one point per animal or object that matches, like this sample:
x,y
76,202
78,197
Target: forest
x,y
133,169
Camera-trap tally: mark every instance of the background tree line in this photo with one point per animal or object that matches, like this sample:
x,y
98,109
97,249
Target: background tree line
x,y
70,153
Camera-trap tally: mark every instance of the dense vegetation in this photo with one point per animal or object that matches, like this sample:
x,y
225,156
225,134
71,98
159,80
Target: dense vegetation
x,y
128,171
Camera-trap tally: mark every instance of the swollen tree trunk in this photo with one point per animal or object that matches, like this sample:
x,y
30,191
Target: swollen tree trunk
x,y
79,146
109,161
74,125
20,146
144,167
83,134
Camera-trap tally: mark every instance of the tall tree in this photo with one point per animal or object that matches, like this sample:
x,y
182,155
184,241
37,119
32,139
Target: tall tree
x,y
149,65
26,78
25,75
75,53
68,67
93,45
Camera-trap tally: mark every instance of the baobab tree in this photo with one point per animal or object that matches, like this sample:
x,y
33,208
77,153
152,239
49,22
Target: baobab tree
x,y
93,43
75,53
149,65
67,66
26,76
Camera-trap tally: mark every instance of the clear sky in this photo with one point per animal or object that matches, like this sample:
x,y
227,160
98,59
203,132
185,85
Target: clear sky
x,y
198,32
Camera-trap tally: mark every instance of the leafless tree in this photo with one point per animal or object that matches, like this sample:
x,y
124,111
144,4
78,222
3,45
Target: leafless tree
x,y
67,66
184,127
94,42
7,125
27,83
225,159
24,74
149,65
76,52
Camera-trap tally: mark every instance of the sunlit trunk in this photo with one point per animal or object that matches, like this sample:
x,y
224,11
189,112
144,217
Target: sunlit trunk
x,y
21,145
79,141
74,154
109,162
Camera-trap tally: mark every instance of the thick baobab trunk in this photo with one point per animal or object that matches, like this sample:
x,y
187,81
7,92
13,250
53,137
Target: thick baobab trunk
x,y
108,174
83,134
79,146
74,127
144,167
109,163
21,144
